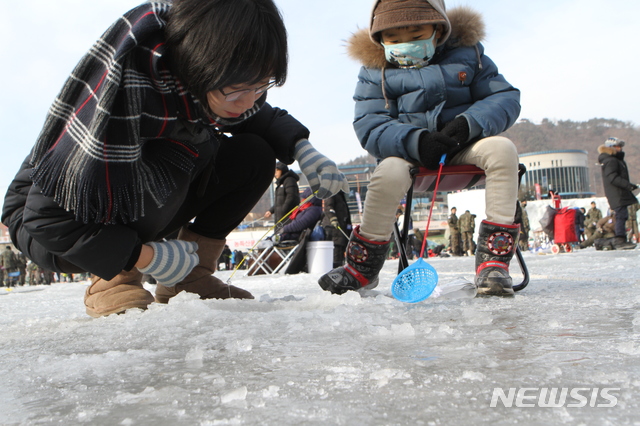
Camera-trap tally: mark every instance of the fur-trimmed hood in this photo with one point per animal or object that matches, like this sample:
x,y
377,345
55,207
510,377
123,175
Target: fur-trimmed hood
x,y
609,150
467,29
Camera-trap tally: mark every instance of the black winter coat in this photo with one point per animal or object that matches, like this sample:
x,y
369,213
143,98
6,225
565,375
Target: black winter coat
x,y
287,195
615,177
50,235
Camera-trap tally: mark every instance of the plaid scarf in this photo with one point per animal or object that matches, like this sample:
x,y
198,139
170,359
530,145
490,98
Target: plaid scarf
x,y
92,154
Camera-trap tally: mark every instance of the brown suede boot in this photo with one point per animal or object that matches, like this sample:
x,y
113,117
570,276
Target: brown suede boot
x,y
115,296
201,280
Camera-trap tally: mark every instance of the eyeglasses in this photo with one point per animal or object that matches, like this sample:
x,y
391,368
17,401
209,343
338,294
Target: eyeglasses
x,y
237,94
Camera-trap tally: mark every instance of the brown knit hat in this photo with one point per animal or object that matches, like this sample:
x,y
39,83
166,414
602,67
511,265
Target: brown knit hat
x,y
403,13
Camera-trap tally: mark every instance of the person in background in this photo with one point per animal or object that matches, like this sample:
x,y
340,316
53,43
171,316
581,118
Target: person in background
x,y
466,223
9,264
287,193
454,233
33,273
306,216
603,234
555,199
591,220
617,187
417,244
225,257
580,219
632,222
238,256
337,225
525,227
22,267
163,126
473,232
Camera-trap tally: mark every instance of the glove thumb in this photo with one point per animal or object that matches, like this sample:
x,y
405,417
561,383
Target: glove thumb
x,y
345,186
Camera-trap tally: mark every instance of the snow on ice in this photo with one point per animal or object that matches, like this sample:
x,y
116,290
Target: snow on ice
x,y
297,355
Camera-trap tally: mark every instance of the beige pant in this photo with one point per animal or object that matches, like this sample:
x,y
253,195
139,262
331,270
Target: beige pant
x,y
391,180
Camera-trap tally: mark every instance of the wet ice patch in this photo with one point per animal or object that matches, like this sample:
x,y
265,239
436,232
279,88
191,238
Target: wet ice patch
x,y
472,316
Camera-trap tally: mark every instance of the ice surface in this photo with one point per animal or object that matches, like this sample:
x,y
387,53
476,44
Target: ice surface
x,y
297,355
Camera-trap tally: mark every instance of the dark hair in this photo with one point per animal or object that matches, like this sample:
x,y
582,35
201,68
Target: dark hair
x,y
219,43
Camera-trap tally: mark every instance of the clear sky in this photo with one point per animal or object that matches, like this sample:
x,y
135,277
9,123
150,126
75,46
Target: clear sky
x,y
572,60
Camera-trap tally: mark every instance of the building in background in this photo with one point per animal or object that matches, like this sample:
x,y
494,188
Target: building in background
x,y
564,171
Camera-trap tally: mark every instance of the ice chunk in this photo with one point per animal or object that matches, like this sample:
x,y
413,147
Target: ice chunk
x,y
271,392
194,357
458,288
239,394
403,330
384,375
473,375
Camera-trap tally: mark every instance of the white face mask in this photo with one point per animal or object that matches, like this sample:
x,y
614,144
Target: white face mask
x,y
413,54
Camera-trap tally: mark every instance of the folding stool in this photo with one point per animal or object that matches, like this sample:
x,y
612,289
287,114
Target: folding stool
x,y
452,178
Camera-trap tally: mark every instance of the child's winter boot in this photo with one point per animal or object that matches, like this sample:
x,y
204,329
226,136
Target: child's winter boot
x,y
201,280
496,246
365,259
115,296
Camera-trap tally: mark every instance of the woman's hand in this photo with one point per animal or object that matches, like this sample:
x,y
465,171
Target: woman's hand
x,y
323,175
171,261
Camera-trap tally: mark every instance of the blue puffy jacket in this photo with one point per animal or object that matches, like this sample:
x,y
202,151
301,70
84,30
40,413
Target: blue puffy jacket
x,y
460,81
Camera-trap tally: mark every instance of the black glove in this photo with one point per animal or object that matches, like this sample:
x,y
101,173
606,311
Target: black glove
x,y
431,146
457,129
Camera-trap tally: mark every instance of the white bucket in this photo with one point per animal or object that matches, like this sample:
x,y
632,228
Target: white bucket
x,y
320,256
